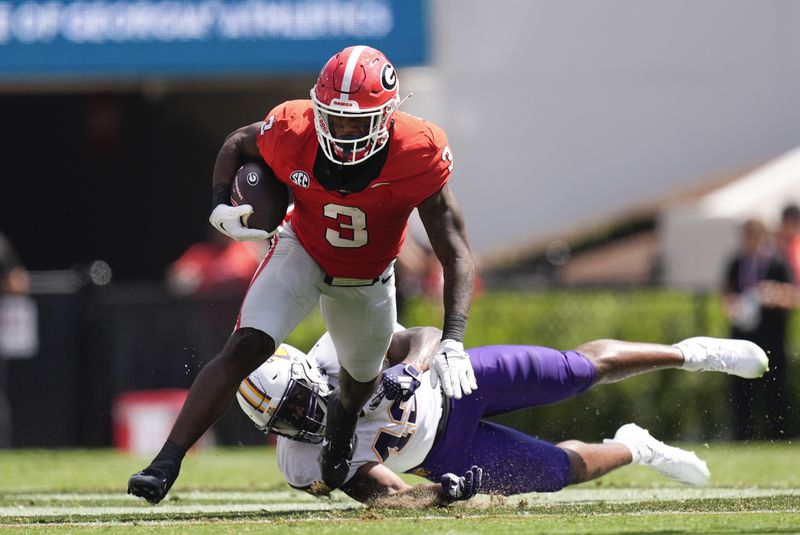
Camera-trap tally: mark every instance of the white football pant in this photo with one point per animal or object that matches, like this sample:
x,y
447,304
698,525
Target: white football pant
x,y
289,283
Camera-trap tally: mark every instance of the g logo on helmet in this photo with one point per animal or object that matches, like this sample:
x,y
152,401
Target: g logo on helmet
x,y
388,77
252,178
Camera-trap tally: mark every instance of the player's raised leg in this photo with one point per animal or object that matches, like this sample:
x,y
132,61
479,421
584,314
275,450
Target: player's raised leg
x,y
615,360
360,321
514,377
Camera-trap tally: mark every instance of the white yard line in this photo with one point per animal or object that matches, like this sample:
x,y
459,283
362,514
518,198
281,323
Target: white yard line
x,y
164,510
288,501
309,519
261,496
609,495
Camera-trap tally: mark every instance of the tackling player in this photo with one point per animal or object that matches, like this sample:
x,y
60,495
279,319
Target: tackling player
x,y
408,426
357,168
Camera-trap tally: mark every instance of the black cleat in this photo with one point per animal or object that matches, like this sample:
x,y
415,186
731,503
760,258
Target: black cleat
x,y
334,460
149,485
339,444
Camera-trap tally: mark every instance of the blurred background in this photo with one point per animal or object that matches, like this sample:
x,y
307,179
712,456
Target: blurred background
x,y
627,170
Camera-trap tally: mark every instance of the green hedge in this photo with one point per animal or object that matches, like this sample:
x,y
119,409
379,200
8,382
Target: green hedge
x,y
672,404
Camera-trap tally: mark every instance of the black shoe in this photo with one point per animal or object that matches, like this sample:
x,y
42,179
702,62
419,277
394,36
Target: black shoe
x,y
339,444
334,460
150,484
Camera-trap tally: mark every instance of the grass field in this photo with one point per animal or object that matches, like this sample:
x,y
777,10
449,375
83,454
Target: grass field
x,y
755,489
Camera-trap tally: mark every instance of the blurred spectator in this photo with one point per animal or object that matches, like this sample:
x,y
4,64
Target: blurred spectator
x,y
217,266
758,294
789,238
18,326
14,279
217,272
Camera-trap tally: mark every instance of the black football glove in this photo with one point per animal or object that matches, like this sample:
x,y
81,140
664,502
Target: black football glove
x,y
465,487
400,381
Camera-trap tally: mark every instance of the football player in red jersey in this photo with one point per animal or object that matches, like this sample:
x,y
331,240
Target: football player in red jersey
x,y
357,168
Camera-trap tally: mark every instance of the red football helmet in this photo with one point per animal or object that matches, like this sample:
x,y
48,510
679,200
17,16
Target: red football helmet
x,y
357,83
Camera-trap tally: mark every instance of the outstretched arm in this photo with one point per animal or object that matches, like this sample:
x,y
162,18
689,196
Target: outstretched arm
x,y
377,486
444,222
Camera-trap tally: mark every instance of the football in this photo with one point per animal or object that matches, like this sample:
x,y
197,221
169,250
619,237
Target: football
x,y
255,184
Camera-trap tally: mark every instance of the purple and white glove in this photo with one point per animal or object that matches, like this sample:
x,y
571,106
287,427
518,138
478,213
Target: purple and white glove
x,y
464,487
400,381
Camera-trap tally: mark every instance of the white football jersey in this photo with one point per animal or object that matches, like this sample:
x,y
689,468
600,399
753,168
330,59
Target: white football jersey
x,y
395,433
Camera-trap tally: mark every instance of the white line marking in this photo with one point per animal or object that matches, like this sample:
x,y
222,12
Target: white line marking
x,y
300,502
345,521
190,495
161,510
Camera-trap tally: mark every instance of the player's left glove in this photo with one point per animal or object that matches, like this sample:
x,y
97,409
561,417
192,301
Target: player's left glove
x,y
400,381
464,487
452,366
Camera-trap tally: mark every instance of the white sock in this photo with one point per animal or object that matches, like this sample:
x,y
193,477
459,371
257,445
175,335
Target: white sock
x,y
640,454
694,355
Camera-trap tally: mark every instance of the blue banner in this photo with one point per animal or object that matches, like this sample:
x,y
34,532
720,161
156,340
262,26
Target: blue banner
x,y
75,40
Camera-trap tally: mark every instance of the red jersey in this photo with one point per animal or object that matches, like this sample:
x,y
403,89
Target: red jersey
x,y
207,267
354,235
793,258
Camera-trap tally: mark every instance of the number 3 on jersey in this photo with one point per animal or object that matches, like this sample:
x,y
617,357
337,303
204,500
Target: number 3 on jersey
x,y
352,222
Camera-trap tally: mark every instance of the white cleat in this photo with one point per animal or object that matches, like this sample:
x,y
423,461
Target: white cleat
x,y
674,463
735,357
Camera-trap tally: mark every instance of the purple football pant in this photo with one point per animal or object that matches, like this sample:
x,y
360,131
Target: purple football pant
x,y
509,378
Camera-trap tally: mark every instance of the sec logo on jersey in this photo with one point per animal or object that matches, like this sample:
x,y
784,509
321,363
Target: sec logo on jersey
x,y
300,178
